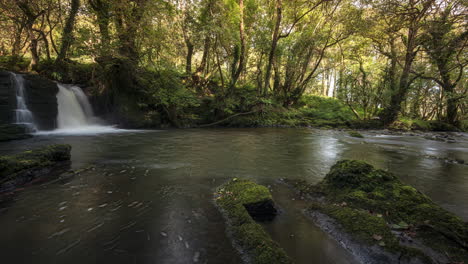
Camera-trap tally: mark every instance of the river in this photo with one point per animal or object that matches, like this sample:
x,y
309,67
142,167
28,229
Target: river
x,y
148,197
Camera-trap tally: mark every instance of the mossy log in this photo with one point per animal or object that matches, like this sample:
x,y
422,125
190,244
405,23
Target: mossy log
x,y
32,163
241,202
375,208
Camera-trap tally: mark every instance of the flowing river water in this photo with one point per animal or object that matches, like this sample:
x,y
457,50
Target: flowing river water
x,y
148,196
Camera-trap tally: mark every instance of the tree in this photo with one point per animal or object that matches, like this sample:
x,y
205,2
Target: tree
x,y
445,38
67,35
409,15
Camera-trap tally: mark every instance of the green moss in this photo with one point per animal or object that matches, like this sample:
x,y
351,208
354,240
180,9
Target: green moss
x,y
355,134
46,156
367,227
232,198
363,189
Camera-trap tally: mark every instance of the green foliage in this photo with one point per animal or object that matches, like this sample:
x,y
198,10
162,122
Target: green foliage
x,y
164,89
14,63
326,108
68,71
312,111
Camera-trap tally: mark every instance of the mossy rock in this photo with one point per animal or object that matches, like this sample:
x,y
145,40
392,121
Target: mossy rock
x,y
370,203
11,165
355,134
240,202
13,132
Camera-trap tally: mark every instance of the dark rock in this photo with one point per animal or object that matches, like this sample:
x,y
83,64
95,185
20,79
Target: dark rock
x,y
7,98
41,99
12,132
262,211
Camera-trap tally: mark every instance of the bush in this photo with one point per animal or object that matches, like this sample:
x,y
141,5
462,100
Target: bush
x,y
14,63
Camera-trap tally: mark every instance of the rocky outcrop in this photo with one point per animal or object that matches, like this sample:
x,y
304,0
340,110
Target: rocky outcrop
x,y
13,132
382,220
41,99
7,98
21,168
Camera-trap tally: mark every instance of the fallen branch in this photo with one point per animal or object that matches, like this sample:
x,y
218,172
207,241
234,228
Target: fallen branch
x,y
229,117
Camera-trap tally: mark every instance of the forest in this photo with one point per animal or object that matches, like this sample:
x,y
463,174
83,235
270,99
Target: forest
x,y
234,131
187,63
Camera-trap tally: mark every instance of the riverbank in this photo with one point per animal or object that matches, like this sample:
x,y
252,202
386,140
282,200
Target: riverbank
x,y
163,99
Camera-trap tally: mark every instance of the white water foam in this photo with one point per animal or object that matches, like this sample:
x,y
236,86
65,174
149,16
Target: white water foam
x,y
23,116
75,115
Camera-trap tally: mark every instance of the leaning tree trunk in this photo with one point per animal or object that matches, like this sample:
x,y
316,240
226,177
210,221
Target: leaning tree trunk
x,y
237,71
33,43
67,35
274,44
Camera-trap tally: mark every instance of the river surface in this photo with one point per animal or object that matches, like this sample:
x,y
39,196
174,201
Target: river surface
x,y
147,197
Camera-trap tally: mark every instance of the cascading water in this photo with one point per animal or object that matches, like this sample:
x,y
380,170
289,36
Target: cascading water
x,y
23,115
75,114
71,113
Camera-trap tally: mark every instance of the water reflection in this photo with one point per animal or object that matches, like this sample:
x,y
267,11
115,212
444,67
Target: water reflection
x,y
149,198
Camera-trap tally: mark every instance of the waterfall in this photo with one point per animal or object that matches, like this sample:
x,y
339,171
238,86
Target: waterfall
x,y
72,108
75,113
22,114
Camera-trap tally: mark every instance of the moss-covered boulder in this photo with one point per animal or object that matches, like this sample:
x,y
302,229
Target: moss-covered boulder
x,y
355,134
241,201
375,208
32,163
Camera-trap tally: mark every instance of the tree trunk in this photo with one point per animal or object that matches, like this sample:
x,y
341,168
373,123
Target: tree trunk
x,y
274,44
33,48
398,96
102,10
452,109
206,53
67,35
240,66
188,59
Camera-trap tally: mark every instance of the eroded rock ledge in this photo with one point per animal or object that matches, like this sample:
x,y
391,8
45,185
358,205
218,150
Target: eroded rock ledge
x,y
242,202
21,168
381,220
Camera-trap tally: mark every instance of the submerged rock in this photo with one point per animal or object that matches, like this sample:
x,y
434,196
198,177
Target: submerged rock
x,y
21,168
242,202
355,134
382,220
